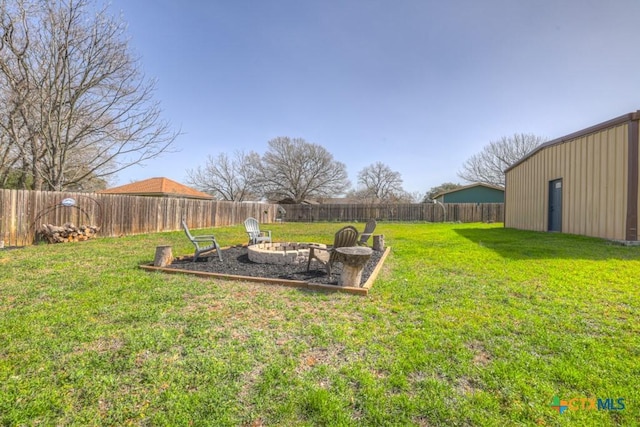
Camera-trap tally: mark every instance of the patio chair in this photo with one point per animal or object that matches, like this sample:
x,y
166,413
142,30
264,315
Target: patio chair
x,y
368,231
253,230
345,237
203,243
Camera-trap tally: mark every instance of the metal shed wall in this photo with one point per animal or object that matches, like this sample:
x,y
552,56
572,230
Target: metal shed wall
x,y
593,167
476,194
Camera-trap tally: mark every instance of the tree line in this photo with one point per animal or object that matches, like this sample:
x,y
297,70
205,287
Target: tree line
x,y
293,170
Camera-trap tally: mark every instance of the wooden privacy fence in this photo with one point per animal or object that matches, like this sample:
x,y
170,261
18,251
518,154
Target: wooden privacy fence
x,y
456,212
22,212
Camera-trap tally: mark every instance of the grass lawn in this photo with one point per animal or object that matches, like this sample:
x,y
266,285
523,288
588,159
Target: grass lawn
x,y
468,324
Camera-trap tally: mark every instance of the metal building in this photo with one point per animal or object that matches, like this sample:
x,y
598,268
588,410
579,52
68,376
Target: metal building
x,y
473,193
583,183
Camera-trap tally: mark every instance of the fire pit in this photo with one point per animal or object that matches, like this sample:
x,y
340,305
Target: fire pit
x,y
280,253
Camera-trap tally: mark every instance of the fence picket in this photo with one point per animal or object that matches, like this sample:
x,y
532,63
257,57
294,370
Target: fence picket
x,y
462,212
23,212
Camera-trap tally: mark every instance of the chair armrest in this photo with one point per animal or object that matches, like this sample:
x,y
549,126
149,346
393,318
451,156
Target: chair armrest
x,y
204,237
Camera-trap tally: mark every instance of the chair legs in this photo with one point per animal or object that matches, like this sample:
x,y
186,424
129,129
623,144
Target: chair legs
x,y
199,252
311,255
327,264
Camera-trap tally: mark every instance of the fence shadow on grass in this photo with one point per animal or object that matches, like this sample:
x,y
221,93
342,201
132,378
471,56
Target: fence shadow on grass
x,y
521,244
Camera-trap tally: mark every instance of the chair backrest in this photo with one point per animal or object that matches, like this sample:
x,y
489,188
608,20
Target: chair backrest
x,y
345,237
252,226
186,229
369,228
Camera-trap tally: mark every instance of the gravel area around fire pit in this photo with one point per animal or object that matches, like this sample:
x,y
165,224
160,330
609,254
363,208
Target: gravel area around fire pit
x,y
235,260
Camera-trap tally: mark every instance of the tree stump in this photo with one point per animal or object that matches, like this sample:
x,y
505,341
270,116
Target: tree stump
x,y
353,261
378,242
164,256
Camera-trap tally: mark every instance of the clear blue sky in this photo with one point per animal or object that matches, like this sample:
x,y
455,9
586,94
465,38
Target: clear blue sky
x,y
419,85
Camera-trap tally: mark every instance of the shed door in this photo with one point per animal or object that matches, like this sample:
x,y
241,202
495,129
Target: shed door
x,y
555,205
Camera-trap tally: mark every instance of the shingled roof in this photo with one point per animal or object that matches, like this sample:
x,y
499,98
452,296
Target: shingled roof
x,y
157,187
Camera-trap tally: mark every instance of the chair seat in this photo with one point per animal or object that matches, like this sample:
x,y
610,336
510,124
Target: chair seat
x,y
252,228
345,237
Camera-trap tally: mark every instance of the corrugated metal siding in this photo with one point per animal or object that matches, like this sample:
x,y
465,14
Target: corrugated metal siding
x,y
638,219
593,169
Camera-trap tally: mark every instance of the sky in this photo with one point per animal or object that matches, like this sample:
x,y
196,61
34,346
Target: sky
x,y
418,85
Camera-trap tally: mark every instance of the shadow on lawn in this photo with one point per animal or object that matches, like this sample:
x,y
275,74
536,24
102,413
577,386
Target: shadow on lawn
x,y
520,244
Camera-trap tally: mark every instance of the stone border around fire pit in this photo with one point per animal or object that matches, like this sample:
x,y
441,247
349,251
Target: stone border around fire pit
x,y
281,253
364,290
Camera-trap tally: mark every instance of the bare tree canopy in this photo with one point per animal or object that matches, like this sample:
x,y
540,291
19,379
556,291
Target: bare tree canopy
x,y
73,103
434,191
489,165
295,169
378,183
227,179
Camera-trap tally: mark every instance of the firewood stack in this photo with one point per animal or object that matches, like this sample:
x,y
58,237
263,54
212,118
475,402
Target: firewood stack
x,y
68,232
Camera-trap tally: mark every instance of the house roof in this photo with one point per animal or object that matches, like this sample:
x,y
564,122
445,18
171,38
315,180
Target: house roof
x,y
477,184
337,200
321,201
158,187
290,201
634,116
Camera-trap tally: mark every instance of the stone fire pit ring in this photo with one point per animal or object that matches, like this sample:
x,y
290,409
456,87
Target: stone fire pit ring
x,y
281,253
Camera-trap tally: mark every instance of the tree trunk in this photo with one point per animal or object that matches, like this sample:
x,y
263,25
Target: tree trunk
x,y
378,242
164,256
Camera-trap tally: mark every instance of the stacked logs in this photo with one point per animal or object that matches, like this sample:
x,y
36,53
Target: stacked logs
x,y
68,232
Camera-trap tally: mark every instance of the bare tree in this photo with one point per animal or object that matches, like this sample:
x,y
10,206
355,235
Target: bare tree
x,y
379,183
74,104
9,158
488,166
434,191
297,169
15,96
227,179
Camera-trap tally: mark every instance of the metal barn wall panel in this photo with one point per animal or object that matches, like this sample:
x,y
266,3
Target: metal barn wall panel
x,y
634,134
593,169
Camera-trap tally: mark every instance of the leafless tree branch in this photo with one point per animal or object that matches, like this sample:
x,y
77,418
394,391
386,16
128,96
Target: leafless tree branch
x,y
74,104
489,165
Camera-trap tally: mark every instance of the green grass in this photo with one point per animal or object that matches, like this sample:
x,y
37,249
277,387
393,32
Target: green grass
x,y
468,324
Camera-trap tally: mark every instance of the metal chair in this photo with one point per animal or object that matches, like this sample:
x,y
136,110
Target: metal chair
x,y
253,230
203,243
345,237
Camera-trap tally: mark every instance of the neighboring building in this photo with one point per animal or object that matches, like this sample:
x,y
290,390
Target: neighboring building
x,y
320,201
290,201
474,193
340,201
583,183
158,187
